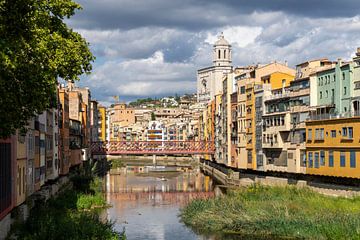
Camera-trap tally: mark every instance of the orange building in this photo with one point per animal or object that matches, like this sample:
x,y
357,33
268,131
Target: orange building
x,y
64,150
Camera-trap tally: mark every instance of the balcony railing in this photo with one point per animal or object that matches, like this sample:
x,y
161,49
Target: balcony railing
x,y
334,116
277,96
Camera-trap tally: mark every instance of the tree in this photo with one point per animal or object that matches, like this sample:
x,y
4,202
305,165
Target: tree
x,y
153,117
36,49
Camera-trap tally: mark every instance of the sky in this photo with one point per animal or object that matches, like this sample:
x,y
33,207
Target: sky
x,y
152,48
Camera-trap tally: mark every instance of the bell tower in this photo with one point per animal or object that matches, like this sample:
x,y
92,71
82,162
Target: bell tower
x,y
222,52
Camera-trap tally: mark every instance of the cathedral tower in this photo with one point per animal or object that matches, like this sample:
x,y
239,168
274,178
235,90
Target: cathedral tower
x,y
222,52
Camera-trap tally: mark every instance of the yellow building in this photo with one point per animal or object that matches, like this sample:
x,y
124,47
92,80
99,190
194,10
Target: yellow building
x,y
332,147
278,80
209,125
278,76
218,131
20,169
102,123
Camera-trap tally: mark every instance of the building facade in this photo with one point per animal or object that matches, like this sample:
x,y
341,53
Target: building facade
x,y
209,80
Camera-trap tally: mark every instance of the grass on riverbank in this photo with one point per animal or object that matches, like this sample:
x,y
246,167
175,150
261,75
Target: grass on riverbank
x,y
72,215
117,163
277,212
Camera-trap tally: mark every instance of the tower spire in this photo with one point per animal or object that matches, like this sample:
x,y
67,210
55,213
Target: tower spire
x,y
222,52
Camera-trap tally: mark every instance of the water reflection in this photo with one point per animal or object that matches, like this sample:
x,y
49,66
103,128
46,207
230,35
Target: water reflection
x,y
146,201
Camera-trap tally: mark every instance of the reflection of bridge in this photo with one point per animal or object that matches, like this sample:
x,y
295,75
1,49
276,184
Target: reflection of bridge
x,y
161,197
152,147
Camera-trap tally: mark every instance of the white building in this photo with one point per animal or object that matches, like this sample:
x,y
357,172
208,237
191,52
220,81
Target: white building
x,y
155,131
209,79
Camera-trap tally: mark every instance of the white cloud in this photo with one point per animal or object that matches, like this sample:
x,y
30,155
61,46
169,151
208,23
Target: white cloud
x,y
240,35
142,77
134,43
153,61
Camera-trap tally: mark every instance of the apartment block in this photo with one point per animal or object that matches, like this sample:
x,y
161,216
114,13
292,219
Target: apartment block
x,y
332,147
102,123
64,122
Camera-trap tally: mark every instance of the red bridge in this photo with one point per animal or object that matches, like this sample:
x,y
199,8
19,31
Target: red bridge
x,y
152,147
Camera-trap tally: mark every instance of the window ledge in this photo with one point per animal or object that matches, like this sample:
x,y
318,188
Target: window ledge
x,y
344,139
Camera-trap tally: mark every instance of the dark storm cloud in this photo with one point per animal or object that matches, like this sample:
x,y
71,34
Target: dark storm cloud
x,y
200,14
153,47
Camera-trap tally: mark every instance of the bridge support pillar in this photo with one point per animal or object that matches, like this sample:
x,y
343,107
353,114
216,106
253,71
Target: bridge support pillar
x,y
154,160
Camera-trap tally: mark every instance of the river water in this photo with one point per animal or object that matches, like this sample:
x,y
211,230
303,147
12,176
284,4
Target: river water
x,y
146,201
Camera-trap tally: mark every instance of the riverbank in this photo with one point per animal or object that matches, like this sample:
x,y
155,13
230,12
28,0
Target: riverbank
x,y
276,212
73,214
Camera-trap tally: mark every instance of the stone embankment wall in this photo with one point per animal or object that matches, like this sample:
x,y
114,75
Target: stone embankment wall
x,y
21,213
234,179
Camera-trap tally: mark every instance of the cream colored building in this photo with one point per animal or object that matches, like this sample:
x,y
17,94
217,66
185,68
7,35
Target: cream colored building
x,y
284,119
209,79
247,82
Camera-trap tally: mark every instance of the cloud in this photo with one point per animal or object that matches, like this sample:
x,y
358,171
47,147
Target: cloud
x,y
298,39
240,35
154,47
141,77
197,15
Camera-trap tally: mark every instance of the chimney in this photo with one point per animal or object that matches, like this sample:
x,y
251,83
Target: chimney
x,y
71,85
340,62
358,52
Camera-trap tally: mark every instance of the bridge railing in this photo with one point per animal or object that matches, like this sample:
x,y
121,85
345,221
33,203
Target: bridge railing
x,y
153,147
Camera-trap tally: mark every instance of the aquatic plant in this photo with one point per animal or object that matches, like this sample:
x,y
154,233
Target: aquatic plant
x,y
277,212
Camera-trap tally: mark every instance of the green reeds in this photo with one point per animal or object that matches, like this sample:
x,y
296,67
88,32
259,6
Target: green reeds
x,y
280,212
71,215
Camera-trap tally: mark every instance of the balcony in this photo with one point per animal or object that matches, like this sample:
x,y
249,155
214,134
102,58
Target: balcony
x,y
277,96
272,145
327,116
300,92
204,97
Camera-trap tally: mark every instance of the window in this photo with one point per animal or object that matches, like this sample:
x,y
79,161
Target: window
x,y
333,133
347,132
310,160
331,158
327,93
320,94
343,76
242,90
342,159
344,90
322,158
319,134
224,53
309,137
344,131
316,160
352,159
350,132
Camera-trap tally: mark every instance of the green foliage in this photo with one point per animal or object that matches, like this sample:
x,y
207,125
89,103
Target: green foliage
x,y
36,48
72,215
117,163
141,101
153,117
277,212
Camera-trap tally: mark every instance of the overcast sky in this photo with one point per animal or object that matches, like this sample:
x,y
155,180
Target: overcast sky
x,y
154,47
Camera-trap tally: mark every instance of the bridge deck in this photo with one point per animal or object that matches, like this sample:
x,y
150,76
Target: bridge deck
x,y
152,147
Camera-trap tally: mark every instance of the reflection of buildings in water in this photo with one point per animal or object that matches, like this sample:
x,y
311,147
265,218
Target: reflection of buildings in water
x,y
131,194
160,198
126,181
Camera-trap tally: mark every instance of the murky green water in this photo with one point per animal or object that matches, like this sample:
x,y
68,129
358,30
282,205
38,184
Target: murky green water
x,y
146,203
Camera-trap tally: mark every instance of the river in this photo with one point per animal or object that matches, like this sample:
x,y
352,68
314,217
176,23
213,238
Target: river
x,y
146,201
